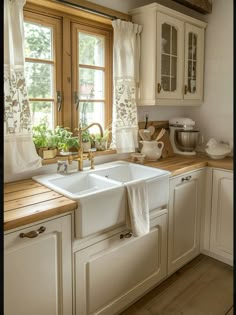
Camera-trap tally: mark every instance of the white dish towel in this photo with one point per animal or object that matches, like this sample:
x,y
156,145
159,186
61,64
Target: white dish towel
x,y
138,215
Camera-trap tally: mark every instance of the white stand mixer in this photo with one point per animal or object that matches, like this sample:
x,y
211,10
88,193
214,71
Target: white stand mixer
x,y
184,124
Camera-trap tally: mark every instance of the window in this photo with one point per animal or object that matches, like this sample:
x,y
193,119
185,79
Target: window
x,y
40,68
71,58
90,75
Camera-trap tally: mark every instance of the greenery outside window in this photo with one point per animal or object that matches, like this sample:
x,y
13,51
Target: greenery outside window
x,y
42,51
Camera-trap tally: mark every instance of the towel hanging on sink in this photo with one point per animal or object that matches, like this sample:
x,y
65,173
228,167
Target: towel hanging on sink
x,y
137,218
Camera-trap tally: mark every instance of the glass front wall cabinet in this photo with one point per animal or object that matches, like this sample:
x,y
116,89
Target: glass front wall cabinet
x,y
170,57
193,62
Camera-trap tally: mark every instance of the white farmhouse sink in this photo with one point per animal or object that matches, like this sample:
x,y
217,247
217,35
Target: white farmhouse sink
x,y
157,180
100,201
77,185
101,193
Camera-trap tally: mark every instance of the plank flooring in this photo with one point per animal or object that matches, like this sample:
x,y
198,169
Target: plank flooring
x,y
202,287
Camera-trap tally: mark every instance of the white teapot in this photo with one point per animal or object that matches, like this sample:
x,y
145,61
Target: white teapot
x,y
152,149
217,150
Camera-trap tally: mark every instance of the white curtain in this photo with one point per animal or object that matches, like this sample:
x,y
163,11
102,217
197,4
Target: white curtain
x,y
126,57
19,151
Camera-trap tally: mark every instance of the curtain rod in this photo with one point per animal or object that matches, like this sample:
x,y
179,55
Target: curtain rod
x,y
111,17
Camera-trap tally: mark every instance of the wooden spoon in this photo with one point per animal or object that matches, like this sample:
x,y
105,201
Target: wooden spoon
x,y
145,134
151,129
160,135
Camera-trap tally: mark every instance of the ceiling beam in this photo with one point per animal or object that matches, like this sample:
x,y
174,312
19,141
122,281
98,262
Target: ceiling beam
x,y
202,6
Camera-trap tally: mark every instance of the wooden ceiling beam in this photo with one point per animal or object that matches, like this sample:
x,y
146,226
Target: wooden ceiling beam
x,y
202,6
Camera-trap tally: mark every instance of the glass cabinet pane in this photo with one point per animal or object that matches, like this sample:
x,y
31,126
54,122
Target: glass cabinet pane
x,y
192,62
165,41
169,57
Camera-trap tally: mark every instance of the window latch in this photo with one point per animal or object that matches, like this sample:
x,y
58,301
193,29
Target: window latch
x,y
76,100
59,100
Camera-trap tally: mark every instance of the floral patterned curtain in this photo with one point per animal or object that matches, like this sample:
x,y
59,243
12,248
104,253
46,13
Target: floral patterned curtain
x,y
126,56
19,150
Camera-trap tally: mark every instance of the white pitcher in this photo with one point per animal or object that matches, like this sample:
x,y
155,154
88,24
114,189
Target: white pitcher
x,y
152,149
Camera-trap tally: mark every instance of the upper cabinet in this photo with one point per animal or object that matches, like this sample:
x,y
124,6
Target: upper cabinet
x,y
172,56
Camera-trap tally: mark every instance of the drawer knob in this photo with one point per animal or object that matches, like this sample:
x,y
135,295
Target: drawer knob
x,y
33,234
185,179
126,235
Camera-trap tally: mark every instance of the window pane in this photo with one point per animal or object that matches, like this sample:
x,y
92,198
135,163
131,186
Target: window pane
x,y
38,41
40,110
91,84
91,49
39,80
91,112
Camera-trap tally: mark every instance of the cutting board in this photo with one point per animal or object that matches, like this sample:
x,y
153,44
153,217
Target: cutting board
x,y
167,150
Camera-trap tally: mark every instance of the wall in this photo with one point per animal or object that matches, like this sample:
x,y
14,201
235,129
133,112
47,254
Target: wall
x,y
215,116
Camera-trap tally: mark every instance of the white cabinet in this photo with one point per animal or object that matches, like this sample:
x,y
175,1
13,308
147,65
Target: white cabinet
x,y
113,272
185,203
172,56
221,235
38,269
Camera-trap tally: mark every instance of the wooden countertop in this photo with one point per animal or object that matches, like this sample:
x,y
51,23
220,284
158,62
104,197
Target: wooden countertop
x,y
27,201
180,164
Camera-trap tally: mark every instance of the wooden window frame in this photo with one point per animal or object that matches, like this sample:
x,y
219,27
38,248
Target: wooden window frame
x,y
64,74
75,27
55,24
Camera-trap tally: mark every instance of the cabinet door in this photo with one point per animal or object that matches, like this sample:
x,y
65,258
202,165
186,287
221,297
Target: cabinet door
x,y
184,219
170,57
113,272
221,240
193,78
37,271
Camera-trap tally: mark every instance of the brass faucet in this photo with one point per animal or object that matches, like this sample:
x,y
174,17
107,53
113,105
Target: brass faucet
x,y
81,155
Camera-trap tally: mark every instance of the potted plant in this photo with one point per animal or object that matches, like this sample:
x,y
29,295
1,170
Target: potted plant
x,y
102,143
86,140
45,144
65,139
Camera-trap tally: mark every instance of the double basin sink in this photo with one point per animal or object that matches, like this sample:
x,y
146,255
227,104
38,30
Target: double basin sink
x,y
102,195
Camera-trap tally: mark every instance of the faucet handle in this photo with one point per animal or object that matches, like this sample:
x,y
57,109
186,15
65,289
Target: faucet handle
x,y
91,157
64,164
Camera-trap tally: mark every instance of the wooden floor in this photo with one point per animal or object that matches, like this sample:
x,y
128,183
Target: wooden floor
x,y
202,287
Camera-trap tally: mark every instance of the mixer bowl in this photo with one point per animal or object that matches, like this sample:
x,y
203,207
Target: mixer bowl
x,y
186,140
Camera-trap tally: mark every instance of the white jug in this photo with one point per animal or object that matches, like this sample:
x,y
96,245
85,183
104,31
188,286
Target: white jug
x,y
152,149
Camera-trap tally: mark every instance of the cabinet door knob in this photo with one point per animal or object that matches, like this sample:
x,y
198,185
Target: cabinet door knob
x,y
187,178
158,87
126,235
33,234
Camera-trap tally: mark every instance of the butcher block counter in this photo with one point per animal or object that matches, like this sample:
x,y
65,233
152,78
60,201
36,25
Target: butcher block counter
x,y
27,201
180,164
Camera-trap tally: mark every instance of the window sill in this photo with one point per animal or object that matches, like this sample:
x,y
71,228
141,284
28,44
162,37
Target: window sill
x,y
64,158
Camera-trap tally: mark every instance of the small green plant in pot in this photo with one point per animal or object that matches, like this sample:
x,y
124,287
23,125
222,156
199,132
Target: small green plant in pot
x,y
65,139
86,140
102,143
42,138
